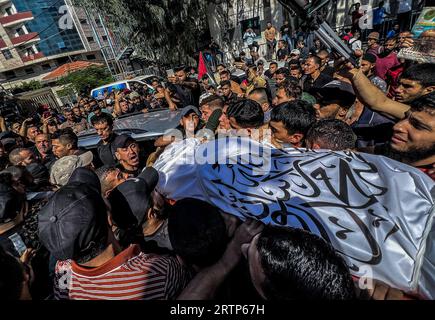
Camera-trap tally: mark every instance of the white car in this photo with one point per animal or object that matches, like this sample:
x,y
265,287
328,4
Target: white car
x,y
119,85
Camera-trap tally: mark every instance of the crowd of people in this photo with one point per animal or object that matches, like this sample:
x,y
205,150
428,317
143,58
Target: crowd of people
x,y
79,224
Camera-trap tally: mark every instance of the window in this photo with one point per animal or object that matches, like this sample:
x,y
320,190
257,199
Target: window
x,y
90,39
46,66
20,31
83,21
9,75
98,22
104,38
29,71
9,11
7,54
30,51
91,57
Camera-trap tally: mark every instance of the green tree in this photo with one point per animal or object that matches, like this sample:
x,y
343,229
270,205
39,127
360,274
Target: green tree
x,y
27,86
83,81
164,31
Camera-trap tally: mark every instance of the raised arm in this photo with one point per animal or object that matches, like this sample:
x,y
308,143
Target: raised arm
x,y
205,284
373,97
3,126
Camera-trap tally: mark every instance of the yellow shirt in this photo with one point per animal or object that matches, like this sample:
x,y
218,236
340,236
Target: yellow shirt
x,y
270,34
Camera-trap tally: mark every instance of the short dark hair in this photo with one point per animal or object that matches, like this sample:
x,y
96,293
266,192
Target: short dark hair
x,y
225,83
291,87
11,277
297,116
102,118
369,57
284,71
424,103
66,136
423,73
273,62
179,68
294,62
316,59
247,113
102,174
300,265
214,101
197,231
224,72
332,134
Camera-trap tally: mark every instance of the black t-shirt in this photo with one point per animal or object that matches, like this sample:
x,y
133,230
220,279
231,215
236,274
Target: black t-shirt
x,y
285,29
318,83
281,54
185,95
105,152
269,74
372,129
329,71
131,174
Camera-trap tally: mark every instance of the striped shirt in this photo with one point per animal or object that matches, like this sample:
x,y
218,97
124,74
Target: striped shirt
x,y
131,275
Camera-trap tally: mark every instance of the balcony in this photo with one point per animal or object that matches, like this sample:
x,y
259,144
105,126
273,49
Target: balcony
x,y
32,57
15,19
3,44
26,38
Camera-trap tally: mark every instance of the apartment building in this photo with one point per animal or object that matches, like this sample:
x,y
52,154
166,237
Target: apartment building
x,y
36,37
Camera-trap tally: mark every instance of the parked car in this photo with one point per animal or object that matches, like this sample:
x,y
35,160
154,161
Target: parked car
x,y
141,126
149,79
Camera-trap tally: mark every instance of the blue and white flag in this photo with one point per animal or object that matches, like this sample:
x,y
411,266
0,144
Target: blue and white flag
x,y
377,212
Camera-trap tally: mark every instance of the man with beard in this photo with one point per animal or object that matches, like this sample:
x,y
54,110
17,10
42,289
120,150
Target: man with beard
x,y
42,150
413,141
387,59
186,88
77,125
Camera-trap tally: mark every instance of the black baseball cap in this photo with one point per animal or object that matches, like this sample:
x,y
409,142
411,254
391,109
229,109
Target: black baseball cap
x,y
336,91
131,200
11,203
121,141
73,222
86,176
188,110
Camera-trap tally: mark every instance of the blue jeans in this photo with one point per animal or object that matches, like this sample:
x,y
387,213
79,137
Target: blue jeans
x,y
287,39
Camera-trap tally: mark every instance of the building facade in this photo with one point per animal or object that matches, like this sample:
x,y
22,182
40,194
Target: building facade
x,y
228,20
39,36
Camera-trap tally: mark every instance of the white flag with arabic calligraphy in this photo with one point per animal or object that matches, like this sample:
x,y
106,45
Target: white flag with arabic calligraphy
x,y
377,212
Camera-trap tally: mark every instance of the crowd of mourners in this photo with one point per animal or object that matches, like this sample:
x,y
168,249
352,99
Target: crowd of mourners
x,y
79,224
